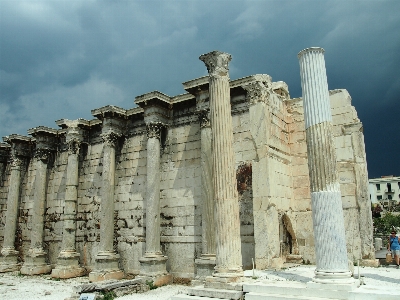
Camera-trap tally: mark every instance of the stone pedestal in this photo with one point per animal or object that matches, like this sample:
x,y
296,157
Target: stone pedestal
x,y
106,267
68,266
328,221
228,244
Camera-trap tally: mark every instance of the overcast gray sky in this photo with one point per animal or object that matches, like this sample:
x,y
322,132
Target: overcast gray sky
x,y
60,59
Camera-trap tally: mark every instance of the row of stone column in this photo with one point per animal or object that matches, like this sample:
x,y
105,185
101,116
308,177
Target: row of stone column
x,y
220,206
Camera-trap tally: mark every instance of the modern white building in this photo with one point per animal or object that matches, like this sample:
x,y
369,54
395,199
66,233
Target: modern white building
x,y
385,188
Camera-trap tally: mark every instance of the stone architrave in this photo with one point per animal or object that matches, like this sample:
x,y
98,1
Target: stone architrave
x,y
228,244
20,149
107,259
35,262
68,259
328,222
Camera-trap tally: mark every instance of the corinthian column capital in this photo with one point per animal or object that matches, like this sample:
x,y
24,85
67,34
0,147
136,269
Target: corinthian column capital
x,y
42,154
257,92
16,161
204,118
110,138
217,63
154,130
73,146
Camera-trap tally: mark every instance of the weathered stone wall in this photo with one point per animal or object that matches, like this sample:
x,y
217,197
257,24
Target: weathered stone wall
x,y
272,181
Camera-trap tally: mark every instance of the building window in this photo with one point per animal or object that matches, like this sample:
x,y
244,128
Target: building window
x,y
378,187
389,197
379,197
389,187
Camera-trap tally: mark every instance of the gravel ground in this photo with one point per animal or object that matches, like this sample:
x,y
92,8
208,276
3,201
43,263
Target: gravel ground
x,y
16,287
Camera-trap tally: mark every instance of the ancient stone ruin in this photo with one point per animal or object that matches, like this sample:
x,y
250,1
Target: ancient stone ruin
x,y
187,186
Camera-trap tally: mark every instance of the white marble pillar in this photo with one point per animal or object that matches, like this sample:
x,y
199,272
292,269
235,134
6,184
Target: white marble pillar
x,y
35,262
228,244
153,263
327,212
206,263
68,259
9,259
107,258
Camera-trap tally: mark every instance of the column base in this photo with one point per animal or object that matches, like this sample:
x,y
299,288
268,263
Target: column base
x,y
68,266
338,278
9,261
205,266
153,267
106,267
35,263
225,276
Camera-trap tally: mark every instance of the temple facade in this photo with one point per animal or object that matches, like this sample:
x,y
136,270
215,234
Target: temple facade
x,y
180,186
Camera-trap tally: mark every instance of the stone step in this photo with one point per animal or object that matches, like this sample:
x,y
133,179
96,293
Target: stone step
x,y
287,288
188,297
259,296
215,293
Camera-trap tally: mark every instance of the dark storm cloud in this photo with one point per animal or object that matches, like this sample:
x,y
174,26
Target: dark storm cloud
x,y
60,59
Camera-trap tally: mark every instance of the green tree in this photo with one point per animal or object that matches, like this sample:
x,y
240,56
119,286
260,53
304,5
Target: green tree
x,y
386,223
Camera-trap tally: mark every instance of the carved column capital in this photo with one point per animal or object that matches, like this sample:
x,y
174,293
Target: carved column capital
x,y
110,138
16,161
217,63
154,129
257,92
42,154
73,146
204,118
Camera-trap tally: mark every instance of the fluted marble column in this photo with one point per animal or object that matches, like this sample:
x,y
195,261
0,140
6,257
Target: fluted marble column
x,y
107,259
68,259
9,259
228,244
206,262
327,212
153,263
35,262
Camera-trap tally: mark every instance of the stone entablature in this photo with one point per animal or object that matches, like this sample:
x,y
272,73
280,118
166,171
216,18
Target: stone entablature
x,y
269,148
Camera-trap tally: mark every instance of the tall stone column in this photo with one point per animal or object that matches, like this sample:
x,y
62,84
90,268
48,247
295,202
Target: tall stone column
x,y
157,112
327,212
206,263
35,262
153,263
68,259
107,258
228,244
9,259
